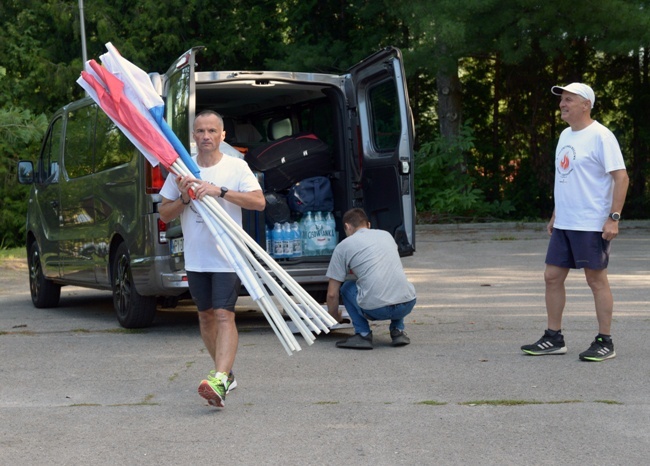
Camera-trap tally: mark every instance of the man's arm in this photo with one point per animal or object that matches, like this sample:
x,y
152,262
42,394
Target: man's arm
x,y
251,200
551,222
621,183
333,289
169,209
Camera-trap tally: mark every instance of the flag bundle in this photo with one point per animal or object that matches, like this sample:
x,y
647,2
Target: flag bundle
x,y
128,97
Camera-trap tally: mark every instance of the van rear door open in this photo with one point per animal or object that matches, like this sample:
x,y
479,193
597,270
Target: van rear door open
x,y
384,141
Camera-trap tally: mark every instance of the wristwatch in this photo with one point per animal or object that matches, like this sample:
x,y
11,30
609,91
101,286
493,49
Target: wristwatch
x,y
615,216
224,190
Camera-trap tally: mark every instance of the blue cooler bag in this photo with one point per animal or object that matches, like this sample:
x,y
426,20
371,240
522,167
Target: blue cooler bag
x,y
311,194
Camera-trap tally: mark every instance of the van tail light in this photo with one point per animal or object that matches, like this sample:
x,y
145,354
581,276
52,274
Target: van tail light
x,y
154,178
162,232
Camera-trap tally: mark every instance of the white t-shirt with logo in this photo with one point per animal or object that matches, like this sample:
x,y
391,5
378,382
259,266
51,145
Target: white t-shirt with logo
x,y
201,252
583,184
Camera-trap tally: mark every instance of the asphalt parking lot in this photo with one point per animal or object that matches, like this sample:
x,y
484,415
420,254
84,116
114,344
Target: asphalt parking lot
x,y
75,388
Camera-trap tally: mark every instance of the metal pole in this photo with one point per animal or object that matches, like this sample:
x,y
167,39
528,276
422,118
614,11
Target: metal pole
x,y
83,32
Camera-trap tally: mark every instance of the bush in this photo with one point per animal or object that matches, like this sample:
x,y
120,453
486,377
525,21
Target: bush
x,y
20,135
444,188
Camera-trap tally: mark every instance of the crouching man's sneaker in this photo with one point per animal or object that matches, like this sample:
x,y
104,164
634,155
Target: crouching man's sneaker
x,y
399,338
356,342
546,345
599,350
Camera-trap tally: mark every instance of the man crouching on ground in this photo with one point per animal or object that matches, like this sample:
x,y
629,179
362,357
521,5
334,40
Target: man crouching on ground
x,y
381,290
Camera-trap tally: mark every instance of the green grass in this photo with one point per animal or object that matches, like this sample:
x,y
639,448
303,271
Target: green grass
x,y
123,330
13,253
110,330
145,402
431,403
514,402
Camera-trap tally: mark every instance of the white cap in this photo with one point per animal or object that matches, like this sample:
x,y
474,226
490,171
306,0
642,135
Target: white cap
x,y
577,88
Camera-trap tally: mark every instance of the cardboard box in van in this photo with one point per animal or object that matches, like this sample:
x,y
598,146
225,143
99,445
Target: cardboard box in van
x,y
92,219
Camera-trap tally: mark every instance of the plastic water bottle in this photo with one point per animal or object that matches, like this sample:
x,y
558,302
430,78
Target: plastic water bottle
x,y
318,237
296,240
287,240
330,231
276,236
307,225
269,241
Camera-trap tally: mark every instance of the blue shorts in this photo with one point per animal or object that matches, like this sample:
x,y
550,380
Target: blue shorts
x,y
214,290
578,249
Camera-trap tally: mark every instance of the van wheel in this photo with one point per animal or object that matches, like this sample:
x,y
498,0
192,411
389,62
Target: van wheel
x,y
45,293
132,309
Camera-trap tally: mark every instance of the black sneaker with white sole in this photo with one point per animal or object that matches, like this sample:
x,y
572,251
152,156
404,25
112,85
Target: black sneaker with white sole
x,y
546,345
599,350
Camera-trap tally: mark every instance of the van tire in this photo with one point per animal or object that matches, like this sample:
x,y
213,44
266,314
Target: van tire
x,y
132,309
45,293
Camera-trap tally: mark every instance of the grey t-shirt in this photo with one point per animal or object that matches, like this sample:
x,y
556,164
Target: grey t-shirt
x,y
371,255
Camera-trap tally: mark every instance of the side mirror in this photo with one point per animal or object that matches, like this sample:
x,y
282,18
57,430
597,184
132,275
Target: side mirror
x,y
25,172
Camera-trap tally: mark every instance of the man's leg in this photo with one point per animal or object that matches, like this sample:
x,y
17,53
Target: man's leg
x,y
555,295
227,341
208,327
362,338
599,284
349,295
220,336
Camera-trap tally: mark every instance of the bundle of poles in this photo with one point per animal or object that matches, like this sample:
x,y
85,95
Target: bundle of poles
x,y
127,96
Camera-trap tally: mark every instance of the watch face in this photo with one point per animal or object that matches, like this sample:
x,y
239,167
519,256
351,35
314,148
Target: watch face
x,y
615,216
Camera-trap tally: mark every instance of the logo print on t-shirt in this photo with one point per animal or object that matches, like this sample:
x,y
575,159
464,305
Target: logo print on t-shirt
x,y
563,161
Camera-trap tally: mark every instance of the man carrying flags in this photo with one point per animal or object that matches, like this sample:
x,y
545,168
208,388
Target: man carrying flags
x,y
213,283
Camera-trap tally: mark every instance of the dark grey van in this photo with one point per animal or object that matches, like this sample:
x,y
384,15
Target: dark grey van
x,y
92,219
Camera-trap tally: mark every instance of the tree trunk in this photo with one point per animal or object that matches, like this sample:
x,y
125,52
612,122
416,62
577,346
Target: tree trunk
x,y
449,107
449,103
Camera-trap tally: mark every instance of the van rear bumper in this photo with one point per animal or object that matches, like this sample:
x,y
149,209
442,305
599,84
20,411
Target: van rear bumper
x,y
154,277
174,281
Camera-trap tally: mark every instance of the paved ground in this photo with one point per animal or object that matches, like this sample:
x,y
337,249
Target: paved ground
x,y
76,389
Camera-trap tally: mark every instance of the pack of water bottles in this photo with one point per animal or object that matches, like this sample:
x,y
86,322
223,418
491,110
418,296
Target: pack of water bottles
x,y
284,240
314,235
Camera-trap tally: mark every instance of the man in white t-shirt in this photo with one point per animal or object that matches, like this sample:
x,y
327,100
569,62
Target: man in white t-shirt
x,y
381,290
213,283
590,187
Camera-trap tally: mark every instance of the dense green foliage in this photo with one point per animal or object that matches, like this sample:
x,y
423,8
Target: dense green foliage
x,y
19,130
491,62
444,188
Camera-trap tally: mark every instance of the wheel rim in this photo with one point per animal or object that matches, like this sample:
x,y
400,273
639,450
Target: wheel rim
x,y
35,273
123,286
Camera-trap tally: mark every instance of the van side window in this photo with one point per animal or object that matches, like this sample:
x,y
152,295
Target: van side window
x,y
386,124
79,136
112,148
48,169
